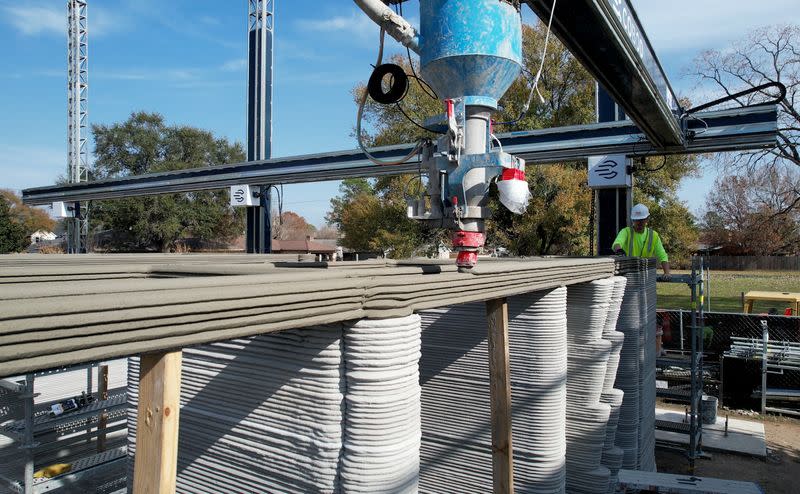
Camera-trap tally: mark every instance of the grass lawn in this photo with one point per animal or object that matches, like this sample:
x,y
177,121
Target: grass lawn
x,y
727,287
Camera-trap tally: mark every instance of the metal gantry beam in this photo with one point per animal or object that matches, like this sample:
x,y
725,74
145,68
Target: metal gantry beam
x,y
727,130
260,26
77,116
607,38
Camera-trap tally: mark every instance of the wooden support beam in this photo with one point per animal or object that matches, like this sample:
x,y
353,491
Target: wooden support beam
x,y
102,394
155,465
500,393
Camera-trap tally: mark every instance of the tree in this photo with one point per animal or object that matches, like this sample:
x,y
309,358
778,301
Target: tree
x,y
12,234
754,206
145,144
768,54
290,226
327,233
30,219
371,214
752,214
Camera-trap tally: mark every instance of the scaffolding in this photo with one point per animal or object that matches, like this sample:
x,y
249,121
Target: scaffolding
x,y
77,118
693,424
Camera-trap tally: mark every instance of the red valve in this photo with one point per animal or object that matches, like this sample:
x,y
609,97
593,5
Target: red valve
x,y
467,259
468,239
513,174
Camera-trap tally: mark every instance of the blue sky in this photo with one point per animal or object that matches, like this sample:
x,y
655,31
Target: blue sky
x,y
186,60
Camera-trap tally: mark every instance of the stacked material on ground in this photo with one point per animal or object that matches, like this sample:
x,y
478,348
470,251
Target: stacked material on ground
x,y
636,374
382,418
456,430
261,414
62,310
70,437
588,359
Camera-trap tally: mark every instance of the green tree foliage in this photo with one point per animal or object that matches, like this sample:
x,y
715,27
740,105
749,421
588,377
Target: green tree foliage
x,y
372,216
31,219
12,233
146,144
656,185
557,219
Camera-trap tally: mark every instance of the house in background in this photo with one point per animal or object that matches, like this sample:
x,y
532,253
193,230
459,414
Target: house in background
x,y
40,236
325,251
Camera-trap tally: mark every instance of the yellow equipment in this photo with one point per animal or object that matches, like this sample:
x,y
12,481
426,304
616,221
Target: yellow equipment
x,y
51,471
792,298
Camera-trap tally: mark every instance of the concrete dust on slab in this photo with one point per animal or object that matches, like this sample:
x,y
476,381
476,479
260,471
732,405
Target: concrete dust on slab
x,y
744,436
778,473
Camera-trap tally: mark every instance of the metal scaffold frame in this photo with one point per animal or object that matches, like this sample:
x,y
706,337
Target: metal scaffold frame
x,y
696,281
260,30
77,117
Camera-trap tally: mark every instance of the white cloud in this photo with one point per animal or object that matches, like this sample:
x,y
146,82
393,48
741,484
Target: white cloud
x,y
22,167
52,20
356,24
235,65
32,21
689,25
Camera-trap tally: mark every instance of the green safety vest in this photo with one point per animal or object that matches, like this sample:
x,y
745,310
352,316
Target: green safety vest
x,y
647,247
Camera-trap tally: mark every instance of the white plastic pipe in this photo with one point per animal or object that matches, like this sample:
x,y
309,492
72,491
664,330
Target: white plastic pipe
x,y
397,27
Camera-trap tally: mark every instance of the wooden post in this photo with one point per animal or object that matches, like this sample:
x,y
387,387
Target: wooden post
x,y
500,394
102,394
155,465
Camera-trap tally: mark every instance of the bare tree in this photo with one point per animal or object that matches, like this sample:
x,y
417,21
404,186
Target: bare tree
x,y
290,226
768,54
754,214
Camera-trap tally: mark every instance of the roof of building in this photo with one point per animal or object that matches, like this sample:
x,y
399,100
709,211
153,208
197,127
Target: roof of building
x,y
305,246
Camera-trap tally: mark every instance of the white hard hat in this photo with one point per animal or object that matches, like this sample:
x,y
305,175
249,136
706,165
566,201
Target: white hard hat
x,y
640,212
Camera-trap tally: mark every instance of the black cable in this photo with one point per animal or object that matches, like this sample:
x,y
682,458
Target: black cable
x,y
663,164
432,92
422,84
398,85
734,96
415,123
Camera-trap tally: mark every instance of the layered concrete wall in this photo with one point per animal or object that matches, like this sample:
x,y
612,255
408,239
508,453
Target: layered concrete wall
x,y
337,405
62,310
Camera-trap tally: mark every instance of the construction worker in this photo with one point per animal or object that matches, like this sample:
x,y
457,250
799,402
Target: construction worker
x,y
640,241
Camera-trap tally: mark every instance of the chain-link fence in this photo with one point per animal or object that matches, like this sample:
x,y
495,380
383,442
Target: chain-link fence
x,y
740,377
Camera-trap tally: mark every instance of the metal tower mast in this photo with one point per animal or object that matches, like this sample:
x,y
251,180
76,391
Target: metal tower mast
x,y
260,24
77,117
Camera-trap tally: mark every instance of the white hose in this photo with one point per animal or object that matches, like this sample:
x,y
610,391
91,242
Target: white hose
x,y
397,27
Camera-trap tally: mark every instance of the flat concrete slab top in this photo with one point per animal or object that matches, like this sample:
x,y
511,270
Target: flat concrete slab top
x,y
744,436
634,481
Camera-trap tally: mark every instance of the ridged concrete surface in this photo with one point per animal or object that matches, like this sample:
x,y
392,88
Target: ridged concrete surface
x,y
456,449
61,310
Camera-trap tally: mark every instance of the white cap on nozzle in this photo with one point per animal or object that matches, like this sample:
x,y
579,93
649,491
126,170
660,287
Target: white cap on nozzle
x,y
513,190
640,212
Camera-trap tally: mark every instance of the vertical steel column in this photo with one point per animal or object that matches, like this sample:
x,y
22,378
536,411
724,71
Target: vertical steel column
x,y
764,366
700,360
693,382
77,117
260,25
613,205
29,443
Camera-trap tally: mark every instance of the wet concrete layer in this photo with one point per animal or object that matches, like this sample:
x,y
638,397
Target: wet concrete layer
x,y
61,310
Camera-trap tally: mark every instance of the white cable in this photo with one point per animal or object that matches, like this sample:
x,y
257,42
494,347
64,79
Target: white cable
x,y
534,88
499,144
360,116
